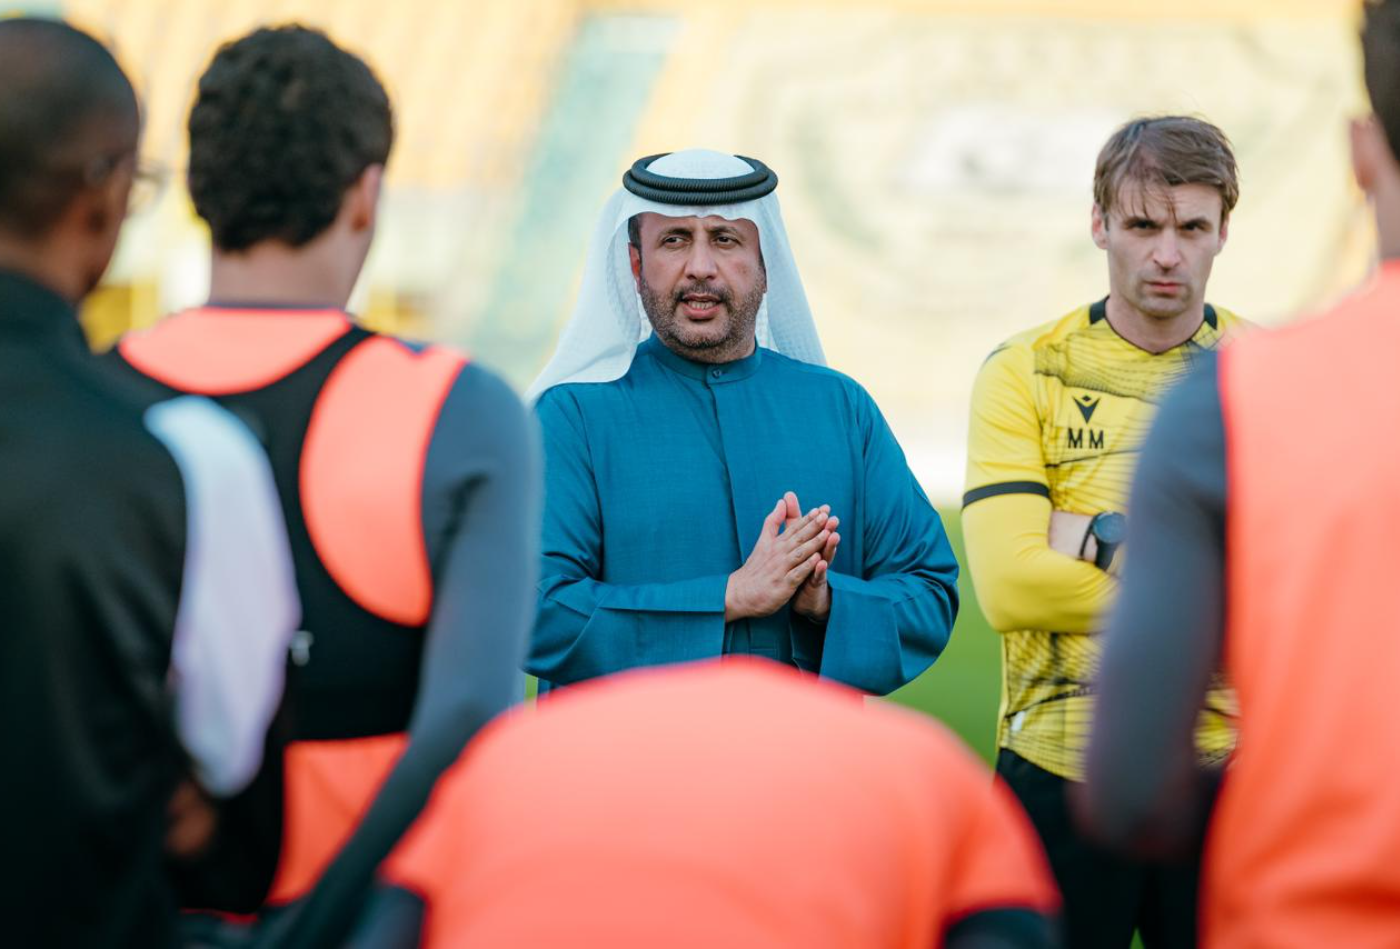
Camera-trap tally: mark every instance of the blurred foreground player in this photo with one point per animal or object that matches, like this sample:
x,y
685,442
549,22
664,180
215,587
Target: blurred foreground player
x,y
1266,533
733,803
146,593
408,475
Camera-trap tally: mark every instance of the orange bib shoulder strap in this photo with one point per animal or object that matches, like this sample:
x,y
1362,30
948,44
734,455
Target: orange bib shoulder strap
x,y
362,473
219,351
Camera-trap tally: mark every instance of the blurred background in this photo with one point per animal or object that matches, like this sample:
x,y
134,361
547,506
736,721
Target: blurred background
x,y
935,158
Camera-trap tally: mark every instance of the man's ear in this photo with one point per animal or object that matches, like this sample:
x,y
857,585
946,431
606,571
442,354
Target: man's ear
x,y
362,200
634,255
1098,227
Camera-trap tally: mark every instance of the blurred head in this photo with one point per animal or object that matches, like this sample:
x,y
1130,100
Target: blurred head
x,y
288,139
69,130
1164,188
1376,141
701,281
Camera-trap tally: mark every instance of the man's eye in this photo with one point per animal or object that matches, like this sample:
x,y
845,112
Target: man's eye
x,y
724,239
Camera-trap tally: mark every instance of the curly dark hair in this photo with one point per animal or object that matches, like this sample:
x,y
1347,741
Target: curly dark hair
x,y
284,123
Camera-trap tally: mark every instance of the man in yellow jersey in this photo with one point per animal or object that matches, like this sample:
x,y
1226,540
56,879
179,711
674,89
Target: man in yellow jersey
x,y
1058,415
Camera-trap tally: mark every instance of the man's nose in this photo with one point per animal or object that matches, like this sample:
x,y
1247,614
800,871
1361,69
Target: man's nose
x,y
700,265
1166,250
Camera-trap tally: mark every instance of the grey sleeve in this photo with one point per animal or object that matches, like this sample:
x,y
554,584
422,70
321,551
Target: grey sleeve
x,y
1144,790
481,511
482,497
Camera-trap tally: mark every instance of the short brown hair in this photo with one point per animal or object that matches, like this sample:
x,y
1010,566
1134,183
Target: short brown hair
x,y
1380,50
1167,150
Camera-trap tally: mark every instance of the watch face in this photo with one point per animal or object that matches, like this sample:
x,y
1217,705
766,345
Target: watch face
x,y
1110,528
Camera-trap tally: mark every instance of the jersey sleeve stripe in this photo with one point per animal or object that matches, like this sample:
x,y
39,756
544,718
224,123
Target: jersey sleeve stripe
x,y
1006,488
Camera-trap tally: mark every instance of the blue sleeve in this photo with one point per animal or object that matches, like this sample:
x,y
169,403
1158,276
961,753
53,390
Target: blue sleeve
x,y
585,627
890,622
1144,790
481,523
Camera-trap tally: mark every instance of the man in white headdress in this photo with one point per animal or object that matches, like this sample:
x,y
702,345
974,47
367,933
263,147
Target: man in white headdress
x,y
687,417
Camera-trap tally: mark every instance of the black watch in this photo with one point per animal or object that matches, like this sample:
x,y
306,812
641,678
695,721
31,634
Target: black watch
x,y
1108,529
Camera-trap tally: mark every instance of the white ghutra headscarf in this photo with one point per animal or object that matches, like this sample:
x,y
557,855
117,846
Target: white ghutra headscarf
x,y
608,322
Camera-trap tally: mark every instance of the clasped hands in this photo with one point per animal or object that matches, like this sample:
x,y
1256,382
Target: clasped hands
x,y
788,563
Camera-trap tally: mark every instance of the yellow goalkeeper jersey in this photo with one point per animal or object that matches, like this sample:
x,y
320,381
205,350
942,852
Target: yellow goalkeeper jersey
x,y
1058,415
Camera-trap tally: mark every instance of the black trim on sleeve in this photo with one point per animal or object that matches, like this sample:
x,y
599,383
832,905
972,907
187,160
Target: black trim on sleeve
x,y
1006,488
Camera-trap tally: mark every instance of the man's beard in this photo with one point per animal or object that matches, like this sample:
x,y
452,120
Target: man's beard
x,y
665,323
